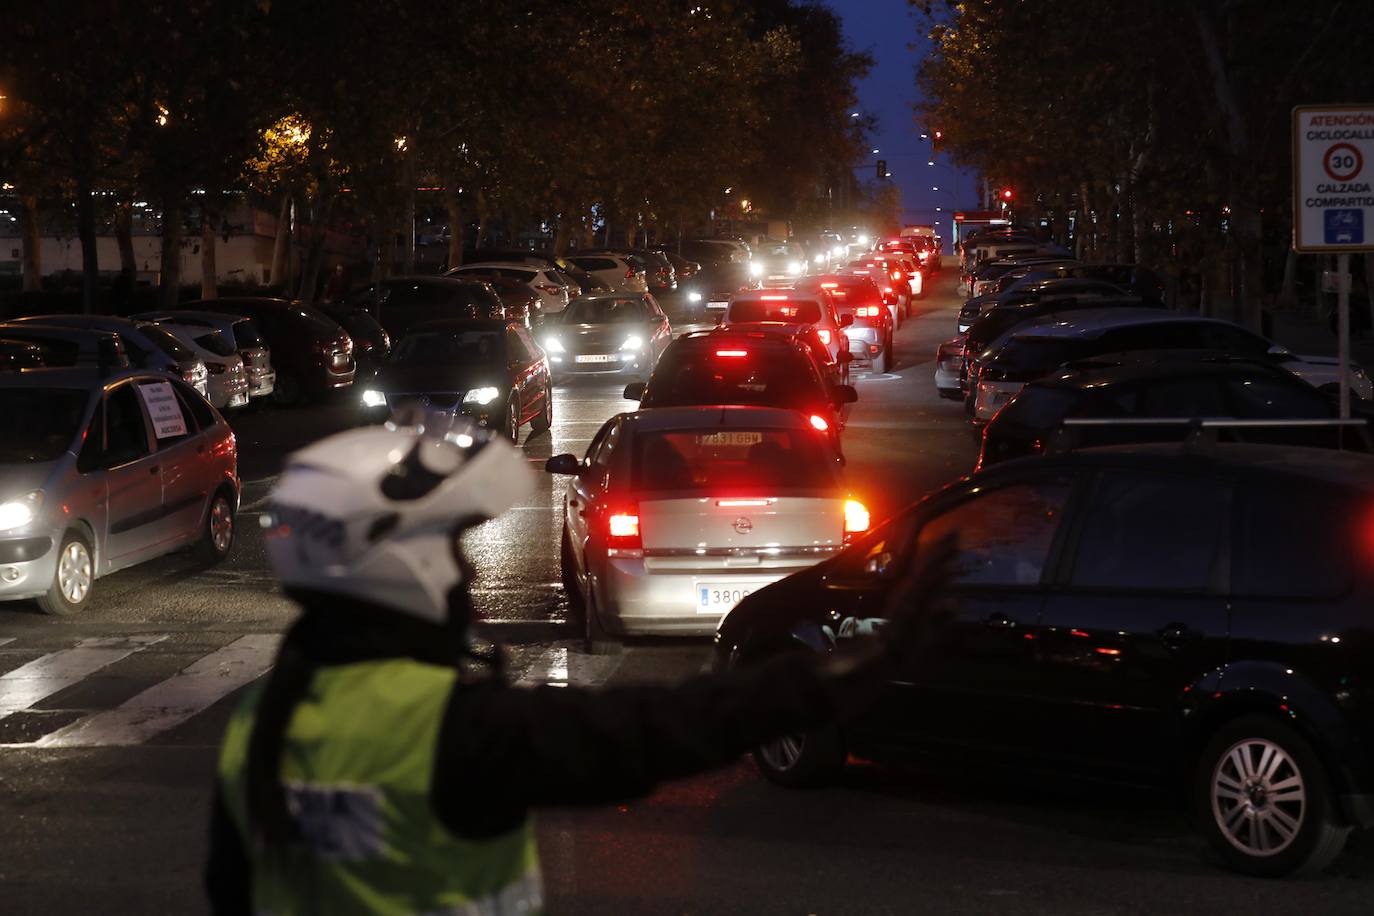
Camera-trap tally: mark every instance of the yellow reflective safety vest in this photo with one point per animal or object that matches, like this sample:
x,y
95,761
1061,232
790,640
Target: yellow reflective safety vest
x,y
357,766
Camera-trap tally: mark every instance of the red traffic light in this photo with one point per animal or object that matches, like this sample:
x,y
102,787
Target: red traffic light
x,y
1006,194
939,135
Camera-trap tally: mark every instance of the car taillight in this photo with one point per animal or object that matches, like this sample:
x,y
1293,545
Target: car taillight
x,y
773,298
824,335
896,275
856,518
622,533
888,290
549,289
830,286
744,503
732,353
818,423
630,274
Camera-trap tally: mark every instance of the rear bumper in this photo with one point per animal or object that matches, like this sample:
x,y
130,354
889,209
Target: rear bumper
x,y
261,383
990,398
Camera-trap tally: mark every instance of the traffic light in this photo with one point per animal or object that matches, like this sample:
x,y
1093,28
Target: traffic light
x,y
1006,195
882,168
937,139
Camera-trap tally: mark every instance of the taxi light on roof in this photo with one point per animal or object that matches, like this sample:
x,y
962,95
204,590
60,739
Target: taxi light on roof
x,y
856,517
743,503
732,352
818,423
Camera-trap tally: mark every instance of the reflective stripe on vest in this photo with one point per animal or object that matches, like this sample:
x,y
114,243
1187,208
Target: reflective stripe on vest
x,y
357,767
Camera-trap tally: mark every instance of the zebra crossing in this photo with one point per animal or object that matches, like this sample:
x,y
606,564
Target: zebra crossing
x,y
127,690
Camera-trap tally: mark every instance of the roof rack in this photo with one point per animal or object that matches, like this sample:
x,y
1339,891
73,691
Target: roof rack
x,y
1203,431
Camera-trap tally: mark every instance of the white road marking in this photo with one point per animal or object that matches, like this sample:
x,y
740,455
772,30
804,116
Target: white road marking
x,y
171,702
558,667
6,640
43,677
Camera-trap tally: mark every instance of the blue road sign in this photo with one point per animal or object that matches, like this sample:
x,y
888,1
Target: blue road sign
x,y
1343,227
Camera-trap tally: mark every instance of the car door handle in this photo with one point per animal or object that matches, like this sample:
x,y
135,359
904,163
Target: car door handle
x,y
999,621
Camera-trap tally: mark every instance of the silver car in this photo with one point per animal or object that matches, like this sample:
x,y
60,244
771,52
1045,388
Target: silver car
x,y
228,382
241,334
677,513
101,471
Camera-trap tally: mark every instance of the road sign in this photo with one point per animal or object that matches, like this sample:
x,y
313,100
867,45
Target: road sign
x,y
1333,178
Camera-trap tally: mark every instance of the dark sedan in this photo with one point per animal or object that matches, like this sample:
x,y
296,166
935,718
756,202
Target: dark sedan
x,y
491,371
621,333
371,343
1154,615
404,302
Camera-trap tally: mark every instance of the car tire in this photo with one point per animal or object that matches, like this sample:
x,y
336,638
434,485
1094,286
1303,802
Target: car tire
x,y
567,568
512,421
544,419
217,530
806,760
883,360
1265,802
287,392
73,578
597,640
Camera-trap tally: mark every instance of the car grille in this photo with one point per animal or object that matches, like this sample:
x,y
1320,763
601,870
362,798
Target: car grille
x,y
437,400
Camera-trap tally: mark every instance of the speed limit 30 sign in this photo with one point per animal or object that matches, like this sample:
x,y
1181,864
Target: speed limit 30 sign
x,y
1333,177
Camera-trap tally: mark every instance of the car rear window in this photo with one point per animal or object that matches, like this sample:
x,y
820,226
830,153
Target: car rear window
x,y
792,311
166,341
731,461
214,342
39,424
728,372
1040,408
590,264
246,335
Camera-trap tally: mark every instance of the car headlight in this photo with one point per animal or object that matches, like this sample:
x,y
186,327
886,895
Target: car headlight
x,y
17,513
795,267
373,398
863,240
694,297
633,342
481,396
837,251
820,258
755,269
553,345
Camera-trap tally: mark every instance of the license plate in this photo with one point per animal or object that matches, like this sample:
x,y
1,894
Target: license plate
x,y
595,358
719,597
741,439
717,305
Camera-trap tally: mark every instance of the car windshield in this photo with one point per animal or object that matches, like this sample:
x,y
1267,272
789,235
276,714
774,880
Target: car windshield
x,y
167,342
793,311
39,424
445,348
246,334
733,373
603,311
731,461
214,342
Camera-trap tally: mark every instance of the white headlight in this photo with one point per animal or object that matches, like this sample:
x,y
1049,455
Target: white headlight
x,y
837,251
820,258
755,269
553,345
694,297
481,396
795,267
633,342
373,398
863,240
19,512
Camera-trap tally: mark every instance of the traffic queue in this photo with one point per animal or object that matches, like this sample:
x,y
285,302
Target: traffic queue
x,y
1166,549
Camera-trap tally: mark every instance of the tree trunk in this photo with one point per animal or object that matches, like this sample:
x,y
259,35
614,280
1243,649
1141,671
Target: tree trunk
x,y
170,290
281,245
561,235
320,210
209,273
455,225
31,242
124,239
85,229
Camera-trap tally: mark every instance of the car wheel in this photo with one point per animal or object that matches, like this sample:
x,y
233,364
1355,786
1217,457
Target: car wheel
x,y
73,578
217,531
1264,800
544,420
513,419
883,360
597,639
287,392
567,567
812,758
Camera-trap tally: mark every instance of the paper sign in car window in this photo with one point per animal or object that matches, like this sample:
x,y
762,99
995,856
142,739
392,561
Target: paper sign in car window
x,y
164,409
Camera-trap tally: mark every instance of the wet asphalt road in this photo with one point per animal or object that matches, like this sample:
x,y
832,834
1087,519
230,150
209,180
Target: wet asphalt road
x,y
105,773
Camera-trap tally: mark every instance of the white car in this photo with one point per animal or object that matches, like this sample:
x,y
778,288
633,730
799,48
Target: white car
x,y
949,364
615,270
677,513
227,380
552,289
1031,350
241,333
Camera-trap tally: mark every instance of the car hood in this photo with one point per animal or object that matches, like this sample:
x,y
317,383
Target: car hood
x,y
611,334
440,378
18,479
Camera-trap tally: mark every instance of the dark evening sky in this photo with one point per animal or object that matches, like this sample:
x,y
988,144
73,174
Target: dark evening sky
x,y
888,29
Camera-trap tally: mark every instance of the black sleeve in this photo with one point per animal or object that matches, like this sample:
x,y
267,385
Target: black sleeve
x,y
228,874
504,750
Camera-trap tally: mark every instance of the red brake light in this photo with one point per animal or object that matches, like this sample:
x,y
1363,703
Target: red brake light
x,y
744,503
818,423
866,311
630,274
896,275
830,286
773,298
732,352
824,335
856,518
888,290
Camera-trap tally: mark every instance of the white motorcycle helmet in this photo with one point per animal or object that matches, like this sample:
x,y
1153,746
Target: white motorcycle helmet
x,y
374,514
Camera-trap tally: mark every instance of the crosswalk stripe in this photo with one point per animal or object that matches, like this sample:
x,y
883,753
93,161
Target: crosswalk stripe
x,y
43,677
173,701
557,667
6,640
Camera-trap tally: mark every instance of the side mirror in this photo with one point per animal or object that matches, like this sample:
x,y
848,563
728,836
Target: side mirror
x,y
634,391
846,319
563,464
845,394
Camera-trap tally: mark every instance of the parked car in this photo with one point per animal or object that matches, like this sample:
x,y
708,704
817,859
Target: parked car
x,y
491,371
101,471
1169,385
400,303
1145,614
584,281
36,346
227,382
371,342
616,270
241,334
661,515
311,354
607,333
146,345
18,355
552,290
659,272
522,303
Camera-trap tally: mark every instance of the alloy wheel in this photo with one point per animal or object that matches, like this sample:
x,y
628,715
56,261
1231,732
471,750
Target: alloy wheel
x,y
221,525
74,572
782,753
1259,799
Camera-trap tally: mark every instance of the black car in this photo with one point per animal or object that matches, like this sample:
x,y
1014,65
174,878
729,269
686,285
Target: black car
x,y
404,302
1148,614
491,371
371,343
1168,385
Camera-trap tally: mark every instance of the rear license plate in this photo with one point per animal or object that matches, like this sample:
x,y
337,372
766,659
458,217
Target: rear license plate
x,y
742,439
717,305
719,597
595,358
